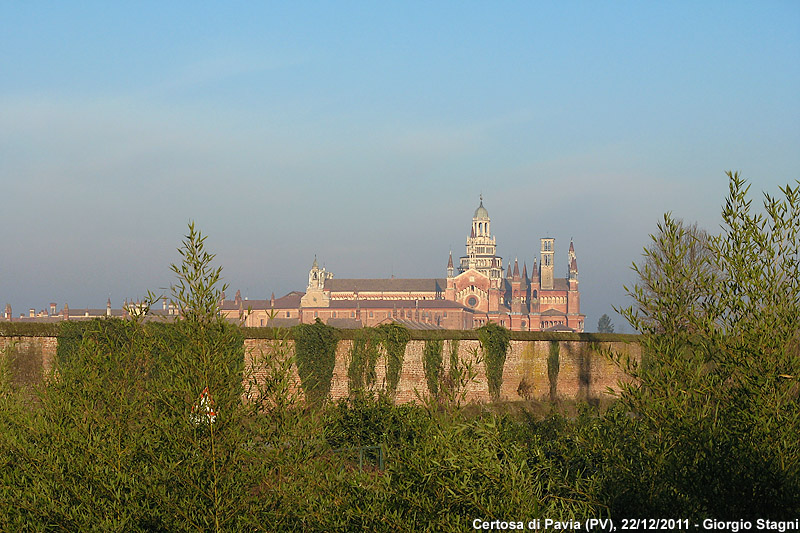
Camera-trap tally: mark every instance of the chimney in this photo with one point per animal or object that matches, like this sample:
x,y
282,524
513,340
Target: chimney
x,y
66,311
108,307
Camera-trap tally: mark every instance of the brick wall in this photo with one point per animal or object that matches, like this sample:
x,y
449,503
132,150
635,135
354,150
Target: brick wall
x,y
29,359
584,373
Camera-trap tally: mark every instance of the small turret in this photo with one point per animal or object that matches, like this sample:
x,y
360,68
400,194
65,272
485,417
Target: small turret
x,y
572,269
450,268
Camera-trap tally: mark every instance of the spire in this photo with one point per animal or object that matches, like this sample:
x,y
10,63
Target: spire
x,y
508,274
573,261
516,269
272,299
525,271
315,264
451,271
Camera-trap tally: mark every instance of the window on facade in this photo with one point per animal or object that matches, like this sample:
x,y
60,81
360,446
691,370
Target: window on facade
x,y
262,321
370,314
287,314
316,314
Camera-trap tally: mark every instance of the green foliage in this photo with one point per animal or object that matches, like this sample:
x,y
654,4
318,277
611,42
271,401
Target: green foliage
x,y
604,324
494,342
553,366
468,468
433,365
452,371
723,369
196,293
6,372
363,358
118,439
21,363
372,420
28,329
394,338
315,354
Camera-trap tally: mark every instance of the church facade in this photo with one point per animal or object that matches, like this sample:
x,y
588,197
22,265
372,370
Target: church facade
x,y
474,293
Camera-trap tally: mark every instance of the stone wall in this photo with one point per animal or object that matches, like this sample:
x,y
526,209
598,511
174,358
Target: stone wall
x,y
584,373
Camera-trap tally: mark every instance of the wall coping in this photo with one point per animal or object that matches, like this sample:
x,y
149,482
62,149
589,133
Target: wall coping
x,y
16,329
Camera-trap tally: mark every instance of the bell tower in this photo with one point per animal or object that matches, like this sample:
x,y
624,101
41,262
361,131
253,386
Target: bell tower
x,y
548,243
482,248
315,295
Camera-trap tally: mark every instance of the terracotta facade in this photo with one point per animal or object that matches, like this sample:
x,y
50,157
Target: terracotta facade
x,y
474,293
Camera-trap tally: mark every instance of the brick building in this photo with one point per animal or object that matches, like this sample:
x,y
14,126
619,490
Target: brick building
x,y
475,293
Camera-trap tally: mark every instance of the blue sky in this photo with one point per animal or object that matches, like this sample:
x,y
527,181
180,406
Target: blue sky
x,y
364,133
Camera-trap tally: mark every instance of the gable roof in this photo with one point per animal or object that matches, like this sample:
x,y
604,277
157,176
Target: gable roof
x,y
386,285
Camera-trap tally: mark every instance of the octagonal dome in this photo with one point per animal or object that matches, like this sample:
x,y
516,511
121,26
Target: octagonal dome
x,y
481,212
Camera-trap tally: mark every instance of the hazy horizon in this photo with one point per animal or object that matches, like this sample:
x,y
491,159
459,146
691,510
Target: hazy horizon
x,y
364,134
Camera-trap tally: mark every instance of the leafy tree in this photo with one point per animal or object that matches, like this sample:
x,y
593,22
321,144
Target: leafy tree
x,y
118,439
714,404
604,325
674,276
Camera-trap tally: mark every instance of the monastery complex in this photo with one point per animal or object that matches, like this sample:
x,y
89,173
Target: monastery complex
x,y
475,292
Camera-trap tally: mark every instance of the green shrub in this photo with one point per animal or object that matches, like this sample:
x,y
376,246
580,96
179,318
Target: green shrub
x,y
118,439
709,427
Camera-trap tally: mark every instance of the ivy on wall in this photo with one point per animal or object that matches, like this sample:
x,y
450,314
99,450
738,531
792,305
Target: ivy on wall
x,y
432,364
494,342
553,365
363,358
315,352
394,338
453,370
